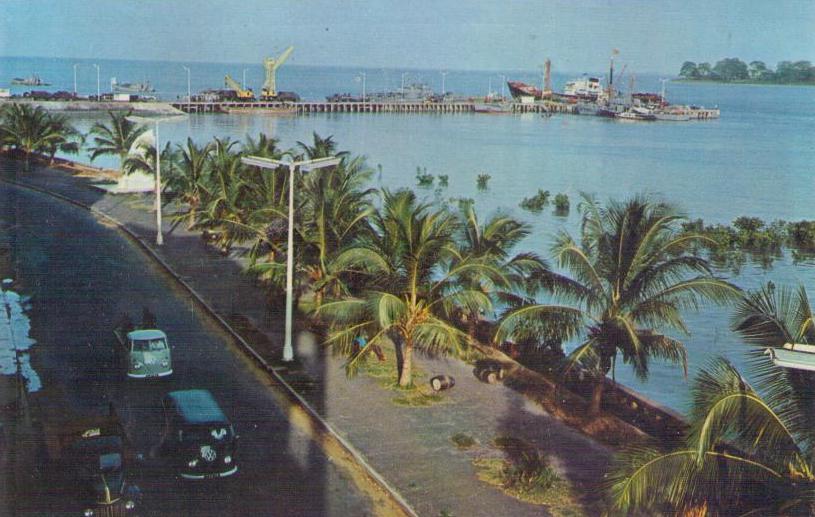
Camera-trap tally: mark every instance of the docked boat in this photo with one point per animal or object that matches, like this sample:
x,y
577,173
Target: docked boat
x,y
493,108
637,114
585,88
518,89
673,113
33,80
118,87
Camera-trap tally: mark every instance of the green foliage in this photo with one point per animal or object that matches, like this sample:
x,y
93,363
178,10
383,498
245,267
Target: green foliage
x,y
748,450
482,181
529,473
423,179
537,202
735,70
32,130
632,271
463,441
561,204
443,180
118,138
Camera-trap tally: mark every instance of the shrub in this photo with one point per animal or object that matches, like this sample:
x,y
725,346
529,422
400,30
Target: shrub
x,y
561,204
423,179
482,181
536,202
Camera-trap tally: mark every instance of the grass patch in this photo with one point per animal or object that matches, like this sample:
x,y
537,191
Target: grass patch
x,y
384,372
551,490
525,475
463,441
418,397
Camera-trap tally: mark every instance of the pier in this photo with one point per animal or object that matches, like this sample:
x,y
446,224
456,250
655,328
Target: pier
x,y
300,108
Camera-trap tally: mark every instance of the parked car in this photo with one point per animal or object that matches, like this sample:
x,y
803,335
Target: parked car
x,y
144,352
89,458
198,440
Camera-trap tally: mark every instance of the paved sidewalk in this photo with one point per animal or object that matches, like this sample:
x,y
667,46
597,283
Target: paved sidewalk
x,y
410,447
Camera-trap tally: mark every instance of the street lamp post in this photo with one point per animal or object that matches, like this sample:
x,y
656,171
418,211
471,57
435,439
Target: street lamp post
x,y
98,91
75,66
363,85
305,165
156,120
443,89
189,95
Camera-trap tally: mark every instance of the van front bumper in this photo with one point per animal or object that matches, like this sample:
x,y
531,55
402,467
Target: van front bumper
x,y
207,475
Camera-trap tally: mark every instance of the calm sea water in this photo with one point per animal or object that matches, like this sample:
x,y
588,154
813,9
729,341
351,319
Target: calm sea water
x,y
756,160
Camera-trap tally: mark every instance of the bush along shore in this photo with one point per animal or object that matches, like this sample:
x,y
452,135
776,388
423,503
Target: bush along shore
x,y
422,277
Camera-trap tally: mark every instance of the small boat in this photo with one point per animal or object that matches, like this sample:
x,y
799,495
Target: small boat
x,y
130,87
675,114
637,114
33,80
493,108
795,356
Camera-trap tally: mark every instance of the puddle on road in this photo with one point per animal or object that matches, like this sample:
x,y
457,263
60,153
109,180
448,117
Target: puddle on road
x,y
14,336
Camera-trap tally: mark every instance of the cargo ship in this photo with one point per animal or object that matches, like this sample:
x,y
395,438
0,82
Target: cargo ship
x,y
33,80
118,87
518,89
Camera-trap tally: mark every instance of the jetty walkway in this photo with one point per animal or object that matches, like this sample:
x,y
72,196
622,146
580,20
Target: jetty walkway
x,y
306,107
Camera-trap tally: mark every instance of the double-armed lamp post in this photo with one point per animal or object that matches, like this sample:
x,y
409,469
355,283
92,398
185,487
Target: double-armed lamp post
x,y
305,166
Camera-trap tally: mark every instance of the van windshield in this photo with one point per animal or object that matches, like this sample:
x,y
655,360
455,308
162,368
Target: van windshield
x,y
149,345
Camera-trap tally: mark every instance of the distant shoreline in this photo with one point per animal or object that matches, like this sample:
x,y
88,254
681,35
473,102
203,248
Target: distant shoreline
x,y
748,83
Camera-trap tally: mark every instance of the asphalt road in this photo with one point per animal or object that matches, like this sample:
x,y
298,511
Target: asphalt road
x,y
81,276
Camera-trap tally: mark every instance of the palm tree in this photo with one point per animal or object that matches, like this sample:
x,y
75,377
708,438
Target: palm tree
x,y
749,451
492,242
413,291
190,178
743,457
224,197
334,210
320,148
70,140
33,130
118,138
631,273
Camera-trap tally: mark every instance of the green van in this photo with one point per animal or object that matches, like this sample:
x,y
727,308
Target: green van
x,y
198,440
145,352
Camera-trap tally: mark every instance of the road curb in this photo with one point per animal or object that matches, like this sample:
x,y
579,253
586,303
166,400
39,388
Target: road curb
x,y
320,424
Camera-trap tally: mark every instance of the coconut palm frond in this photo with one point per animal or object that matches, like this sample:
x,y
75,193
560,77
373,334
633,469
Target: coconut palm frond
x,y
646,479
435,337
725,407
771,317
520,324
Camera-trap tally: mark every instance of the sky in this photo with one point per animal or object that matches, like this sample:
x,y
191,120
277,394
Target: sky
x,y
578,36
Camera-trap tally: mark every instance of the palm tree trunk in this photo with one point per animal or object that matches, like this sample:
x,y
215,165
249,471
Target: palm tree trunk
x,y
596,397
406,372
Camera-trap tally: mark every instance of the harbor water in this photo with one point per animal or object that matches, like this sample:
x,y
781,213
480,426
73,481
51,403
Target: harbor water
x,y
756,160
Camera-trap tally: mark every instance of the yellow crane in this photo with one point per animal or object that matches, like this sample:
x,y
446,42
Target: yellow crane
x,y
269,91
244,95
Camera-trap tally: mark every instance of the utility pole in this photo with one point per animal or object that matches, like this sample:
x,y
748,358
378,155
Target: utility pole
x,y
189,94
443,89
98,90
